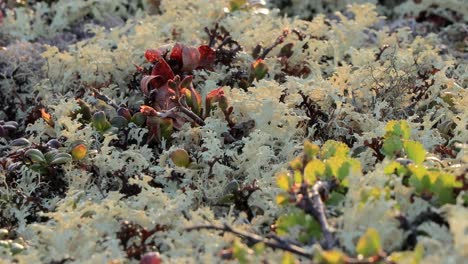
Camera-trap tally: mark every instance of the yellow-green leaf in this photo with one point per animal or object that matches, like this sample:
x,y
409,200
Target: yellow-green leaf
x,y
180,157
314,168
392,168
334,148
311,150
282,180
415,151
399,128
331,257
259,248
240,252
282,198
288,258
369,244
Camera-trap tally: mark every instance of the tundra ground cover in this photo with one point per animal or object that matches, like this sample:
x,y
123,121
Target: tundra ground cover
x,y
217,131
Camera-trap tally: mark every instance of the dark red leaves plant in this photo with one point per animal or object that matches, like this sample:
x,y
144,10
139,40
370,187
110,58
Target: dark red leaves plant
x,y
207,56
163,69
153,55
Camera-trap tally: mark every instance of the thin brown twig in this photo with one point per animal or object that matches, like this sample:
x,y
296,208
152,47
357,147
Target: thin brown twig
x,y
184,109
253,238
104,98
312,204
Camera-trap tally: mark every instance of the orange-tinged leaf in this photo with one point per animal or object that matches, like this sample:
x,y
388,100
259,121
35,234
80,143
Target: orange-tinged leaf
x,y
148,110
47,117
79,151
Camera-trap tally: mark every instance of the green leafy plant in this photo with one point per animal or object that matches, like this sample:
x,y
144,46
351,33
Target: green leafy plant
x,y
426,181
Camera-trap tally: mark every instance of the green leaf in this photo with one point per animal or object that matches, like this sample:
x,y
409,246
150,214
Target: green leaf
x,y
392,146
35,155
298,177
49,156
314,168
443,186
236,4
335,198
139,119
308,226
100,122
348,167
119,122
415,151
61,158
369,244
180,158
418,254
240,252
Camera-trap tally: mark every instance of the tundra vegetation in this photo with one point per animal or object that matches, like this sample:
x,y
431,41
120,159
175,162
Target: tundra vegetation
x,y
233,131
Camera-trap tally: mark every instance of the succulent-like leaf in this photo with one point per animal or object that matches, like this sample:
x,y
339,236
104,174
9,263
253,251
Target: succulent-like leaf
x,y
180,157
54,143
119,122
79,151
35,155
61,158
151,258
124,112
139,119
100,122
50,155
20,142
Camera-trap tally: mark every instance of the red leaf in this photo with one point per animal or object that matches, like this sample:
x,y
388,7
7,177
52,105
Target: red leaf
x,y
162,98
190,58
153,55
154,80
164,70
207,56
176,53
